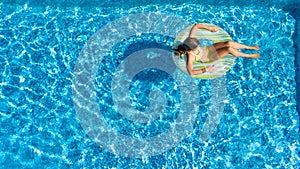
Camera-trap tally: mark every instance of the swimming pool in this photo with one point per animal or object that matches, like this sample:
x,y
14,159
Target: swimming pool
x,y
41,47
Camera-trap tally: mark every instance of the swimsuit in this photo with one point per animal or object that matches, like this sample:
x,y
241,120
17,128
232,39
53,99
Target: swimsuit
x,y
203,54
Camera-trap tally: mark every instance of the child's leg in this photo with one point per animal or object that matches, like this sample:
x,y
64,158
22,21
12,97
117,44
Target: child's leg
x,y
237,53
220,53
220,45
241,46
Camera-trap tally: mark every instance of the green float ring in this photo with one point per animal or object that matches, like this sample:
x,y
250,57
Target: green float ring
x,y
221,65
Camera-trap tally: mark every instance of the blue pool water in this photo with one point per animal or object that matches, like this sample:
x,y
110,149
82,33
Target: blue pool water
x,y
40,126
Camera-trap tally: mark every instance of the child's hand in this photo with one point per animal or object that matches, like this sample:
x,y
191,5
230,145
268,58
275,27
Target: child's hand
x,y
213,28
210,68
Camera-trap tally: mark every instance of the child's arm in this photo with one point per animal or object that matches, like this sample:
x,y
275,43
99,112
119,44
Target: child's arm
x,y
190,69
200,26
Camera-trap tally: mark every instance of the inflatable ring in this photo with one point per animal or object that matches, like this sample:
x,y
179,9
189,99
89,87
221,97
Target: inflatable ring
x,y
221,65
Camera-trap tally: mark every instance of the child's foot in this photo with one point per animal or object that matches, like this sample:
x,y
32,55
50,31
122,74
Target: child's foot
x,y
254,47
255,56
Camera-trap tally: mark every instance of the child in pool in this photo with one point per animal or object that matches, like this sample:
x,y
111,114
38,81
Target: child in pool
x,y
194,52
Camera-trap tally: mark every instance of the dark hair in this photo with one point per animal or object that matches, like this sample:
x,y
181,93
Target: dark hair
x,y
187,45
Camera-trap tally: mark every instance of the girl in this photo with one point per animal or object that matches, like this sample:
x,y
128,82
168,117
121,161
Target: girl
x,y
194,52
